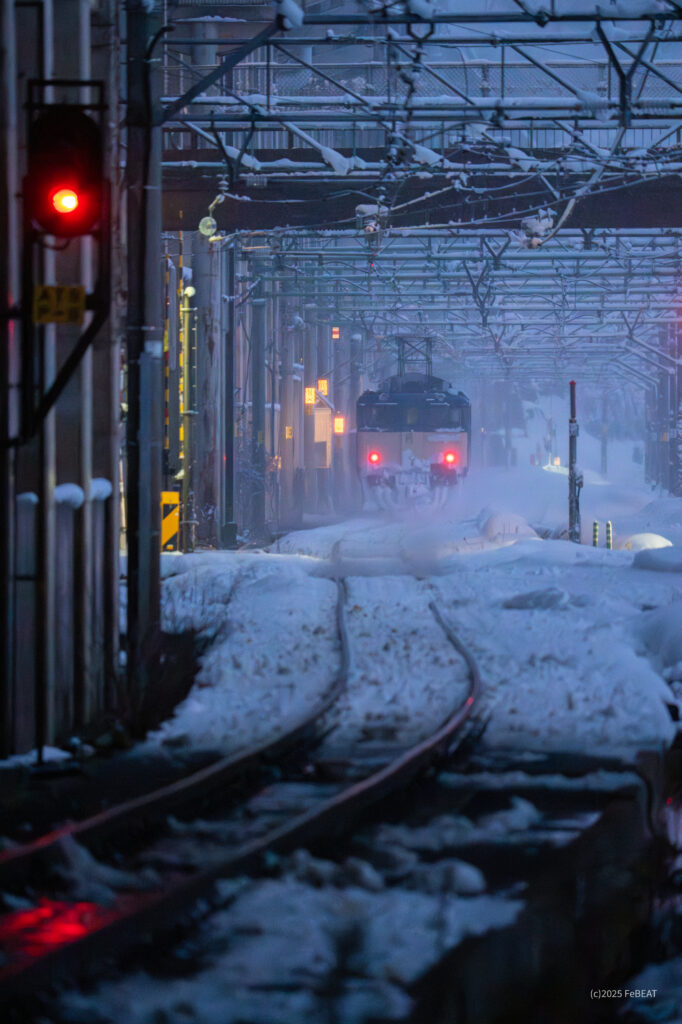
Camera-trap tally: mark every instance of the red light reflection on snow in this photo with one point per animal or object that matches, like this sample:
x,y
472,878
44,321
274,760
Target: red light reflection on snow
x,y
46,926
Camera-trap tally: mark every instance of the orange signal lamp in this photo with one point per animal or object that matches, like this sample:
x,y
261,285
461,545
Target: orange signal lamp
x,y
323,386
64,200
339,424
336,333
309,396
374,458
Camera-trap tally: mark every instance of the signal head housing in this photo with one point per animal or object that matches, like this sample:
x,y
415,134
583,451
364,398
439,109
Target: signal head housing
x,y
64,184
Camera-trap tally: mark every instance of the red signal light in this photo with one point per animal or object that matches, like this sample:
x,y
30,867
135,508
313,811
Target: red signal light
x,y
64,187
450,458
374,458
65,200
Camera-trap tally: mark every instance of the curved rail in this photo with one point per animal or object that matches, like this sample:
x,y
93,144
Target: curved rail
x,y
151,910
18,860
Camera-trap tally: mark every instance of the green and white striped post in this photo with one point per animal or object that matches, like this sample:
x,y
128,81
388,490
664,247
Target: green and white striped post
x,y
595,534
609,535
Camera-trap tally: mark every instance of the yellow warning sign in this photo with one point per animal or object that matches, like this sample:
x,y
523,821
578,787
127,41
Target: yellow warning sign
x,y
58,304
170,521
288,433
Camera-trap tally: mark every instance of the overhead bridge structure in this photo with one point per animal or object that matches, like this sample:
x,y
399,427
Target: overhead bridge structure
x,y
464,116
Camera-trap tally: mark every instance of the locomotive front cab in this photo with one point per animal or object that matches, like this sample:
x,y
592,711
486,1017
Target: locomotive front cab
x,y
413,432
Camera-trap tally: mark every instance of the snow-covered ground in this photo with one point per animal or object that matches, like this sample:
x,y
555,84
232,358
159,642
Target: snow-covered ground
x,y
272,954
270,648
578,647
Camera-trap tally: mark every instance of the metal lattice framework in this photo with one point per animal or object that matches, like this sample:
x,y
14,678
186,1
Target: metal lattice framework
x,y
468,135
371,92
592,303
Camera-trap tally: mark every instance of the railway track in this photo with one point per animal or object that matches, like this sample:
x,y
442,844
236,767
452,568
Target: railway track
x,y
61,937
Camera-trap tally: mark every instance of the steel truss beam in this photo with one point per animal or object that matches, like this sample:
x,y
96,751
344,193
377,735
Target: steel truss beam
x,y
584,300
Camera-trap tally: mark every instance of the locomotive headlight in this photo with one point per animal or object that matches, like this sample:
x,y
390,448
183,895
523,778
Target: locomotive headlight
x,y
374,458
450,458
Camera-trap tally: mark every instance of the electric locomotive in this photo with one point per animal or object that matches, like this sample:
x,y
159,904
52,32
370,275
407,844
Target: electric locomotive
x,y
413,437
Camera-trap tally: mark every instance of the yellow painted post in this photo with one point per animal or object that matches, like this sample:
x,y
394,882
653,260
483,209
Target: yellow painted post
x,y
609,535
595,534
170,520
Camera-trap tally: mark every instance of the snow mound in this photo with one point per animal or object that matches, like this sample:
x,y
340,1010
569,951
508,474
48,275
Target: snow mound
x,y
644,542
661,632
89,879
507,526
667,559
550,597
448,875
520,816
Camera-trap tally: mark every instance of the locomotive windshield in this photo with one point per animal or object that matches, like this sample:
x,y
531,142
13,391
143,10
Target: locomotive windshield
x,y
398,416
379,417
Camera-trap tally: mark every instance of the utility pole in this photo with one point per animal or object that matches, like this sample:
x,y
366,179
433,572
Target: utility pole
x,y
144,341
575,478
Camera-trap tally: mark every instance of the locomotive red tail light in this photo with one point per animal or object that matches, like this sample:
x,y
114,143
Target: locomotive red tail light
x,y
450,458
374,458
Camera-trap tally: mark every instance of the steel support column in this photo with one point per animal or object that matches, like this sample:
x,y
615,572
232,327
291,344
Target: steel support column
x,y
310,381
603,468
356,352
9,290
289,439
342,444
228,525
208,422
144,347
258,322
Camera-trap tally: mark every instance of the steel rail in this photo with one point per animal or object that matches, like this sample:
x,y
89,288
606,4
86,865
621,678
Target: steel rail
x,y
18,860
153,911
